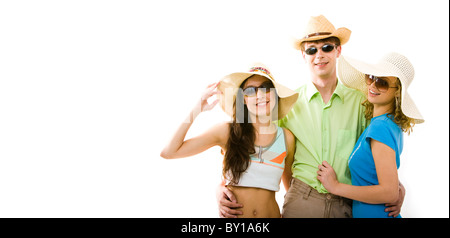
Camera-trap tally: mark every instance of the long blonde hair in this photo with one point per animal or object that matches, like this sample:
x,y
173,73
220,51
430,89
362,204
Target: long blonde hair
x,y
405,123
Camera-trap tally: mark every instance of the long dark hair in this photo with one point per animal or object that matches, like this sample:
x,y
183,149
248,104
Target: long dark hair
x,y
241,140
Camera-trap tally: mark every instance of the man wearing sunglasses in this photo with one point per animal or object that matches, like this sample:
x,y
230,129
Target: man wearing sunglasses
x,y
327,120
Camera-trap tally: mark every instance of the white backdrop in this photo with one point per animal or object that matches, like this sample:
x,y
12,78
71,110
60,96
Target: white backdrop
x,y
90,92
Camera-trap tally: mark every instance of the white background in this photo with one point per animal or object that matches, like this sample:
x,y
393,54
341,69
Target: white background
x,y
90,92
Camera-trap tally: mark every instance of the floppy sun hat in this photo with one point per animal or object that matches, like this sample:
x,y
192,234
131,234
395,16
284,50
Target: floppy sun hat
x,y
352,74
319,28
229,86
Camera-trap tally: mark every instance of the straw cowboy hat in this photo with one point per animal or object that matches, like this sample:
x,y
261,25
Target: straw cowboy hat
x,y
352,74
230,84
319,28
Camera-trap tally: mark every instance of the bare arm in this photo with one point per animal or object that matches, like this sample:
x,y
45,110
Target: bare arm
x,y
386,192
395,208
287,173
178,147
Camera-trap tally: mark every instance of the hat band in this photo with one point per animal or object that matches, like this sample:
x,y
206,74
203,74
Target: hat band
x,y
317,34
262,70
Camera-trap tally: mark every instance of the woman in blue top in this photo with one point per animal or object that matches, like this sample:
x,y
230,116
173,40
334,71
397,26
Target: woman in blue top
x,y
375,159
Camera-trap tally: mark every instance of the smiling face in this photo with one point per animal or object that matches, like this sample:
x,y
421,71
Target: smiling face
x,y
384,97
322,64
264,101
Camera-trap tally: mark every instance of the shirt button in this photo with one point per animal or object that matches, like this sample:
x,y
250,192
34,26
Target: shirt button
x,y
328,196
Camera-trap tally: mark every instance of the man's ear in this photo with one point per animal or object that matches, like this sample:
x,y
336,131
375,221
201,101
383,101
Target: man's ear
x,y
338,49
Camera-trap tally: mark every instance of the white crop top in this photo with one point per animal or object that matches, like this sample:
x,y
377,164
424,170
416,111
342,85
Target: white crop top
x,y
266,165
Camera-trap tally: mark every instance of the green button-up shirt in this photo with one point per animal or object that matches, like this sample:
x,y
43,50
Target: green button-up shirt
x,y
325,131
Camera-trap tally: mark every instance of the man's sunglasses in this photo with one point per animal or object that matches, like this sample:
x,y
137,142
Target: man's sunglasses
x,y
382,84
253,91
325,48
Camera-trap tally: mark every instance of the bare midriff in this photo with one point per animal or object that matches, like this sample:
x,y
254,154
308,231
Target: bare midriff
x,y
257,202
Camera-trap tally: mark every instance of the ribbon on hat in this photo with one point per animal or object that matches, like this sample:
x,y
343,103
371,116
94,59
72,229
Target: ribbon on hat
x,y
317,34
262,70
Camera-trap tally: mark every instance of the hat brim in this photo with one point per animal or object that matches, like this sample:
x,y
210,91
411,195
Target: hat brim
x,y
352,73
343,34
230,84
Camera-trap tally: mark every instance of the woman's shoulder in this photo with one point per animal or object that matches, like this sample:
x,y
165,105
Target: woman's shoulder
x,y
384,121
383,126
288,134
289,137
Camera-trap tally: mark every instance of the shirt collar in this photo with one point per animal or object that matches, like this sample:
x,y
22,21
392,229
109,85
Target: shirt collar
x,y
311,91
339,91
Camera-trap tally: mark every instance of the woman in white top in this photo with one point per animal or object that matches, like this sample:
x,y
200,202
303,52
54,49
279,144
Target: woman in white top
x,y
257,153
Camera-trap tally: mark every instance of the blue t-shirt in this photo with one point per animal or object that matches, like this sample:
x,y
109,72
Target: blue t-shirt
x,y
362,166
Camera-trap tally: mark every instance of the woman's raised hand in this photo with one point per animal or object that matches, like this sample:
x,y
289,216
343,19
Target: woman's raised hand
x,y
209,92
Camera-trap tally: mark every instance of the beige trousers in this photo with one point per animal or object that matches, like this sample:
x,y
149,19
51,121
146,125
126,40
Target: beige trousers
x,y
303,201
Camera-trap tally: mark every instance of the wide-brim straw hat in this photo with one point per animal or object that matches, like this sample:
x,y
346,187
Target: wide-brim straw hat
x,y
230,84
319,28
352,74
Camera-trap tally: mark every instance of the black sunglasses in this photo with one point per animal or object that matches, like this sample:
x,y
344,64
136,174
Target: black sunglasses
x,y
325,48
252,91
381,83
